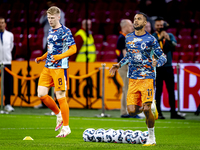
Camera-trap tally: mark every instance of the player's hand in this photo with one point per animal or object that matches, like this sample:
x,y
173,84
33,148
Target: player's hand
x,y
37,60
114,68
154,62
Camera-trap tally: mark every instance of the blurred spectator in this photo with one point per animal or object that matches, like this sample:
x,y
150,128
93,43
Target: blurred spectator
x,y
44,22
165,73
148,27
126,27
6,47
83,38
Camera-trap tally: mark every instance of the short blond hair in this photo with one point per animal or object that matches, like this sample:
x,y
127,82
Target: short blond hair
x,y
53,10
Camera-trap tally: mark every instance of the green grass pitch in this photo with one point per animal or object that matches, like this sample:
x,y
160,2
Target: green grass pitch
x,y
170,134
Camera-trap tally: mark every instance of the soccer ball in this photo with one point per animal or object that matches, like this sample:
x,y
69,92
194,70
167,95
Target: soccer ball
x,y
118,137
109,135
143,137
99,135
135,137
88,135
127,136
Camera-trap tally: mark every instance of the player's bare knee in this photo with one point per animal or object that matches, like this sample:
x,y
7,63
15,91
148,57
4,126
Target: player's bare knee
x,y
42,91
60,94
40,94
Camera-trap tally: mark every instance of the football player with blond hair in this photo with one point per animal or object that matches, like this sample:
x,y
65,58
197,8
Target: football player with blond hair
x,y
61,45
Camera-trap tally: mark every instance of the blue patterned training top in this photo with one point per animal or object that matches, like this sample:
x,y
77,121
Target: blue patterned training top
x,y
59,40
139,56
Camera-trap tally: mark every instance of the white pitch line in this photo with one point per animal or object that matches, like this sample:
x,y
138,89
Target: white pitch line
x,y
110,119
75,128
128,120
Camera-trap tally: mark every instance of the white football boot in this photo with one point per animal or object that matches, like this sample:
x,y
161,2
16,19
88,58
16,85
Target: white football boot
x,y
64,131
59,123
9,108
151,141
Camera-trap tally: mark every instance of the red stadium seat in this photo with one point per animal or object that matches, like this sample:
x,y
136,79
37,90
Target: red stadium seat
x,y
179,24
35,54
172,30
185,16
95,26
128,14
72,15
196,47
32,40
21,51
112,39
17,38
98,51
179,48
197,32
195,39
17,30
115,16
186,57
40,31
184,40
109,47
175,57
108,27
98,38
100,15
109,56
99,46
73,30
185,32
31,30
188,48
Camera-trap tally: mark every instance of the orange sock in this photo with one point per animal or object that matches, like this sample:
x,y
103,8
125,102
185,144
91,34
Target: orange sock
x,y
64,107
50,103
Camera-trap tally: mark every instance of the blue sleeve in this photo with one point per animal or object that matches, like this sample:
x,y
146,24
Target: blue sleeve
x,y
157,51
68,38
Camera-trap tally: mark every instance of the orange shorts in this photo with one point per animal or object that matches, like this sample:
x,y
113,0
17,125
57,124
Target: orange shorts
x,y
54,77
140,91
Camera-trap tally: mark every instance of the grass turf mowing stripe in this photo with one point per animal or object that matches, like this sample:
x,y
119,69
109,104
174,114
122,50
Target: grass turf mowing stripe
x,y
170,134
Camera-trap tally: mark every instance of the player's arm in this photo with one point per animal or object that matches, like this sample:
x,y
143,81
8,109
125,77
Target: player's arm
x,y
157,51
38,59
122,62
72,50
172,40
